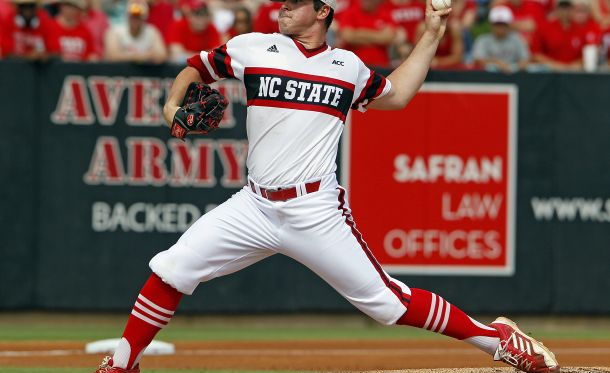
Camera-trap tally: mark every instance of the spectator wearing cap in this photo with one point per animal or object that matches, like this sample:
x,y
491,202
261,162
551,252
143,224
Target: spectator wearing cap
x,y
502,49
367,29
192,34
559,42
29,32
137,41
528,15
266,17
75,40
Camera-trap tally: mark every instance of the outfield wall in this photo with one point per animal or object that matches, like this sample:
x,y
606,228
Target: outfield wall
x,y
93,187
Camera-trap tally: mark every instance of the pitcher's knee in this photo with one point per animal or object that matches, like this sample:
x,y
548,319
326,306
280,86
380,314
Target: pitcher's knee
x,y
386,312
177,268
388,318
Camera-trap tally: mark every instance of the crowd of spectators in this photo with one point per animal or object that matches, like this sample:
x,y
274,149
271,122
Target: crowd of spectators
x,y
495,35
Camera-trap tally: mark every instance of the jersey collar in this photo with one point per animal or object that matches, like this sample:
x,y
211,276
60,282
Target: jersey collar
x,y
310,52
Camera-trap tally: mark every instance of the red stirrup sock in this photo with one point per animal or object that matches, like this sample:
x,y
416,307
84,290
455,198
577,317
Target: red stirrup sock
x,y
429,311
154,308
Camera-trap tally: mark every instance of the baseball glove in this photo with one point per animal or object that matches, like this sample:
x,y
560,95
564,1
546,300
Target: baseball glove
x,y
201,111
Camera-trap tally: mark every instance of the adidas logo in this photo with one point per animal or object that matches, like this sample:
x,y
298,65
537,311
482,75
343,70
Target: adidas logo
x,y
273,49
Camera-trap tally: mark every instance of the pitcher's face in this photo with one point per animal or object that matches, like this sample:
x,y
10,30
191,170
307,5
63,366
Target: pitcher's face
x,y
296,16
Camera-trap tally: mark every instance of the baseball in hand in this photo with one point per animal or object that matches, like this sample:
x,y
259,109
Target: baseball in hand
x,y
441,4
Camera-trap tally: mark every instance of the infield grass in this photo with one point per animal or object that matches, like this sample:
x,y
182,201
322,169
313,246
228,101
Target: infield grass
x,y
83,327
54,327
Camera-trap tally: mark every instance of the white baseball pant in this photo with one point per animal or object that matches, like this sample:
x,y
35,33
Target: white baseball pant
x,y
315,229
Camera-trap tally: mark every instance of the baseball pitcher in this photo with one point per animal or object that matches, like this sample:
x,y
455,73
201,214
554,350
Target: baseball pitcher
x,y
299,92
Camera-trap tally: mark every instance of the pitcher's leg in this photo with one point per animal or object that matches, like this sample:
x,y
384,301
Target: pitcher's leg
x,y
322,235
154,307
337,252
233,236
432,312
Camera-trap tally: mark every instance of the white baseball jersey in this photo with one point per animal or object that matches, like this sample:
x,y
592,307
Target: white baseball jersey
x,y
298,100
297,104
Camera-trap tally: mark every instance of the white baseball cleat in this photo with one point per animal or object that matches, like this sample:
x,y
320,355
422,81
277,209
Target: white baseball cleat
x,y
522,351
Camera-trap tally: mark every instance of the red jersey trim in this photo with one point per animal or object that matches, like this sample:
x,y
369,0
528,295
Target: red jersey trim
x,y
366,87
292,74
310,52
380,89
227,61
373,88
221,62
297,106
211,62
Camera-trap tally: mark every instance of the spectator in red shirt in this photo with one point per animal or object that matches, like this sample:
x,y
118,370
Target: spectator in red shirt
x,y
466,11
558,43
242,22
407,14
29,33
75,40
1,35
587,27
5,10
161,15
367,30
192,34
96,21
450,51
266,18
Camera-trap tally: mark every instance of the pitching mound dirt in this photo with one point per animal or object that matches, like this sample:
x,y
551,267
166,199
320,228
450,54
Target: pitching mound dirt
x,y
367,356
491,370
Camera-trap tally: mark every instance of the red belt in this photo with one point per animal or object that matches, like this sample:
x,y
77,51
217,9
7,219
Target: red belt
x,y
284,194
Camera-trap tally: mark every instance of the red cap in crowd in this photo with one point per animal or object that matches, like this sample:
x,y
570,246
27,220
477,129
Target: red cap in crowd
x,y
194,4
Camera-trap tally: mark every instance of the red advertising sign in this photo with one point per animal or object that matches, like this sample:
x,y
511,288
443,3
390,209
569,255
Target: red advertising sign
x,y
432,187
